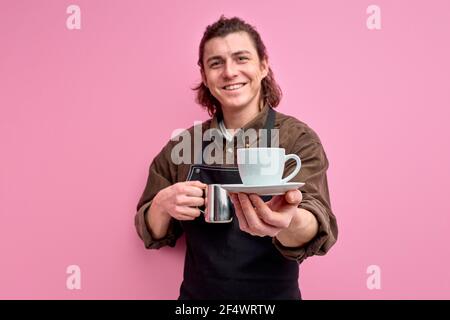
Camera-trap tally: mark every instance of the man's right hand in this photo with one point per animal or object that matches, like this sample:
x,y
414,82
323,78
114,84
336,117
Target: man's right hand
x,y
181,199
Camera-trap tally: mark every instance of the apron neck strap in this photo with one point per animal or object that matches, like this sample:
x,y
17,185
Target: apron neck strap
x,y
269,125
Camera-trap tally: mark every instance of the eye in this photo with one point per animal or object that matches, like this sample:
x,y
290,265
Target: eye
x,y
212,65
242,58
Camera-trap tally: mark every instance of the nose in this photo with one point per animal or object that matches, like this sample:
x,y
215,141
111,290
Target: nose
x,y
230,70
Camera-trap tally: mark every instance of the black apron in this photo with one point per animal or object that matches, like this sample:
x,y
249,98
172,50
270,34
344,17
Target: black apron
x,y
223,262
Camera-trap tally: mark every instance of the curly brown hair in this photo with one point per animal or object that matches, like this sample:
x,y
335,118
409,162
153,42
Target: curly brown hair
x,y
271,91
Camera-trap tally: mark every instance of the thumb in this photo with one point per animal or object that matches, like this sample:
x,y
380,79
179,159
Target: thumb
x,y
293,197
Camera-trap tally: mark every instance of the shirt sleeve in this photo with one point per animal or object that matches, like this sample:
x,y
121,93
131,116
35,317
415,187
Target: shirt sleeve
x,y
316,198
162,173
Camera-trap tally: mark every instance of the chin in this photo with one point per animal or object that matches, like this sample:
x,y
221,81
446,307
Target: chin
x,y
236,105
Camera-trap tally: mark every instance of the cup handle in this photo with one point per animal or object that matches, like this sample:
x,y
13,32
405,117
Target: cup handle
x,y
204,196
297,167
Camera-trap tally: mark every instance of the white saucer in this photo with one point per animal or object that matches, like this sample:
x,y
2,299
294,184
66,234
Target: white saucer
x,y
267,190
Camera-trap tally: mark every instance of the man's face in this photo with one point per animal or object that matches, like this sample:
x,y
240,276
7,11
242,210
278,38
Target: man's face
x,y
233,71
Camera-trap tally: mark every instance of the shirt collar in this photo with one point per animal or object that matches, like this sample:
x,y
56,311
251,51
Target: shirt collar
x,y
256,123
224,131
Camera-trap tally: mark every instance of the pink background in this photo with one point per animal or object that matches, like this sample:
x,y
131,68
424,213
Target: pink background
x,y
83,113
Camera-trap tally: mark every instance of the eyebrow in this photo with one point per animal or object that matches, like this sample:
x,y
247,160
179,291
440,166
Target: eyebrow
x,y
233,54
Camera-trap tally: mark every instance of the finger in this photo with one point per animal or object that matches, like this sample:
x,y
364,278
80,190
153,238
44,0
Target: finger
x,y
196,183
243,225
270,217
233,197
188,211
255,224
193,191
184,217
190,201
293,197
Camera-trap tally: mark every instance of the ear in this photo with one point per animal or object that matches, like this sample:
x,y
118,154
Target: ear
x,y
204,78
264,68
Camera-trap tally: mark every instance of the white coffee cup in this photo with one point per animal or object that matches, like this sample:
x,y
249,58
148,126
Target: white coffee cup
x,y
265,166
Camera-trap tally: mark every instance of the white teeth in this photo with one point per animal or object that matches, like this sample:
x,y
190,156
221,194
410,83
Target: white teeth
x,y
234,86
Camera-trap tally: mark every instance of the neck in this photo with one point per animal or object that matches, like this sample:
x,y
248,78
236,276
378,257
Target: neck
x,y
237,118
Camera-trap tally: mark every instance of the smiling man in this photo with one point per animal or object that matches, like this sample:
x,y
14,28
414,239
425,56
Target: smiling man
x,y
256,255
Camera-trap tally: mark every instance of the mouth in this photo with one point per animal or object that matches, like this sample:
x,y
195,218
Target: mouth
x,y
234,86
